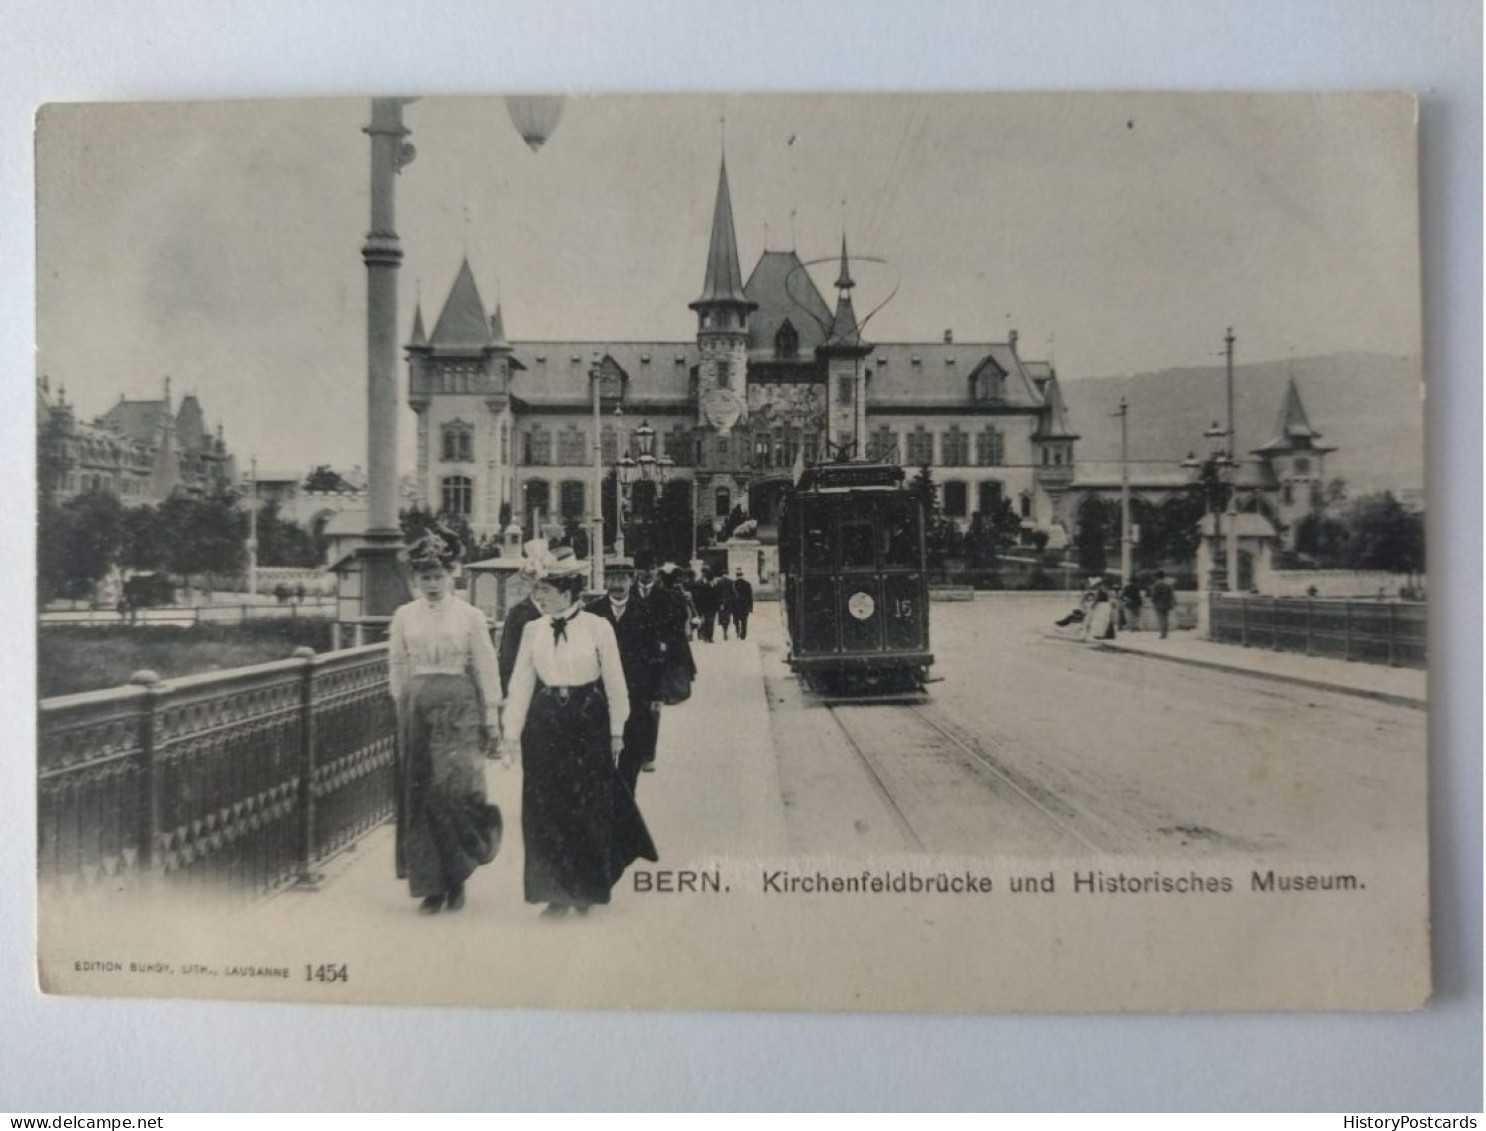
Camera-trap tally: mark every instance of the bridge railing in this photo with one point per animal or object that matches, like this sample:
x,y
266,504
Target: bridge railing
x,y
239,781
1380,632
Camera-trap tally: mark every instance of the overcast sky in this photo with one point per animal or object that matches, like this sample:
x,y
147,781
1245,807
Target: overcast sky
x,y
219,242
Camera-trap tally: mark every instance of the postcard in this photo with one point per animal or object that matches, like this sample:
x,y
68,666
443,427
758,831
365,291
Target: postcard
x,y
932,553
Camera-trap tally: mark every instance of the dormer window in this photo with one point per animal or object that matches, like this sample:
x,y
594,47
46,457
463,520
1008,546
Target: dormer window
x,y
787,340
987,385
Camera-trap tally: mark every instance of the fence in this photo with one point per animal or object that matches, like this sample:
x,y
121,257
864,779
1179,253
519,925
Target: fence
x,y
322,608
1380,632
239,780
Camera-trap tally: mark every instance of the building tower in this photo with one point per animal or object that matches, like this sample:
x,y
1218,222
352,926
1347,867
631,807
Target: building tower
x,y
1293,463
720,388
459,381
846,378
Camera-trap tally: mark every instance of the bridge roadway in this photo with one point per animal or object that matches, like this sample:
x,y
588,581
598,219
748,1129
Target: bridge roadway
x,y
1031,745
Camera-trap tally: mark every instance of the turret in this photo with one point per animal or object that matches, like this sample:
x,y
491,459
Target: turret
x,y
846,377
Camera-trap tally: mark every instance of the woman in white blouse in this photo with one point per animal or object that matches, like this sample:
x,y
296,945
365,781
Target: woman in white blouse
x,y
446,682
566,708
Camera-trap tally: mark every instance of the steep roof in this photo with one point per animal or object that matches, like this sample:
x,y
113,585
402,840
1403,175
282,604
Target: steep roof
x,y
462,326
938,373
141,421
1055,424
1293,428
723,281
783,289
556,373
190,424
420,335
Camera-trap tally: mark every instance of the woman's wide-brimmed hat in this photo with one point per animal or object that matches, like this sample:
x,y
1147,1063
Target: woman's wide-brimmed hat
x,y
436,547
551,564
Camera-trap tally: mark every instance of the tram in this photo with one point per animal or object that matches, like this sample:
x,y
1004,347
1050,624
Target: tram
x,y
856,592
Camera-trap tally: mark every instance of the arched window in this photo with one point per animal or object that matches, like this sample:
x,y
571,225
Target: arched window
x,y
724,501
883,445
990,498
458,494
955,446
536,499
955,499
570,496
538,446
459,442
990,448
570,445
920,447
787,340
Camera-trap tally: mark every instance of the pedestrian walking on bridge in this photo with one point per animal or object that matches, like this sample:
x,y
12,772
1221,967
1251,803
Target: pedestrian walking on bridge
x,y
446,685
742,604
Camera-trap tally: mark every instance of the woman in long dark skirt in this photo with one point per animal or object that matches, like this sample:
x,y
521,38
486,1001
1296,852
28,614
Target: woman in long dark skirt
x,y
446,683
567,708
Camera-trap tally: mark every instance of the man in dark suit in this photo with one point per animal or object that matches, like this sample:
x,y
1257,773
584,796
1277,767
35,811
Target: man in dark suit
x,y
516,620
742,603
638,628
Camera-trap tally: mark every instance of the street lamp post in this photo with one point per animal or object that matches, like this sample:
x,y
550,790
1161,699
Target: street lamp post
x,y
624,470
382,586
646,462
596,537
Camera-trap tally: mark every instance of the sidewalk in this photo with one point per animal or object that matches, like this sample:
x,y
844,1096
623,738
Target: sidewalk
x,y
1404,686
714,795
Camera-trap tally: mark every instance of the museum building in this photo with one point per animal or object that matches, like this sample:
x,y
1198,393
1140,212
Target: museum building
x,y
775,378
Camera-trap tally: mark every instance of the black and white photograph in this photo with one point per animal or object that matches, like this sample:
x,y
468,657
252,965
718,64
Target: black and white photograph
x,y
917,552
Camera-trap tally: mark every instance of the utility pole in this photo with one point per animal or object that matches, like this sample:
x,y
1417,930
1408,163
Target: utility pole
x,y
1125,551
253,534
1232,547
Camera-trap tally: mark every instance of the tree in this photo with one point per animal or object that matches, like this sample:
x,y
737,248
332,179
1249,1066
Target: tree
x,y
1382,534
936,537
1098,523
674,521
82,544
324,479
204,534
285,543
145,545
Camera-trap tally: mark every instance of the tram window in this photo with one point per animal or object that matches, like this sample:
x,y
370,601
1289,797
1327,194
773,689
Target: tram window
x,y
856,546
817,538
900,531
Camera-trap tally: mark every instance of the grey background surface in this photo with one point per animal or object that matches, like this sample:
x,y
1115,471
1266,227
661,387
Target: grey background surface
x,y
80,1055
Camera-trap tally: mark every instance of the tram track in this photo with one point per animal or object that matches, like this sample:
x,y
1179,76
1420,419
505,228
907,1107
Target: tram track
x,y
919,767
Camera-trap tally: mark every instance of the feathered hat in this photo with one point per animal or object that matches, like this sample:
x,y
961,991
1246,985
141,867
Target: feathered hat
x,y
436,547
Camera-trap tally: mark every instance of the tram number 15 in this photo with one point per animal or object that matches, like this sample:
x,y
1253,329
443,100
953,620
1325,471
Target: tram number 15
x,y
902,608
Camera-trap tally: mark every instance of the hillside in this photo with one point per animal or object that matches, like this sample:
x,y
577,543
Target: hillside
x,y
1368,406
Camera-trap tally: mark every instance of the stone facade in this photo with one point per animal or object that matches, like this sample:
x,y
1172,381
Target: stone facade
x,y
773,380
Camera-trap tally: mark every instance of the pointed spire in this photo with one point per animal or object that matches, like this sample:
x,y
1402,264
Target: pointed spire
x,y
498,327
1293,421
723,282
844,328
1293,428
420,336
843,280
462,325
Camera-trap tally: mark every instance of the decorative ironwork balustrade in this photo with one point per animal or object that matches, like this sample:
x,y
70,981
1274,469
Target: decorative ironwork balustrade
x,y
240,781
1380,632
